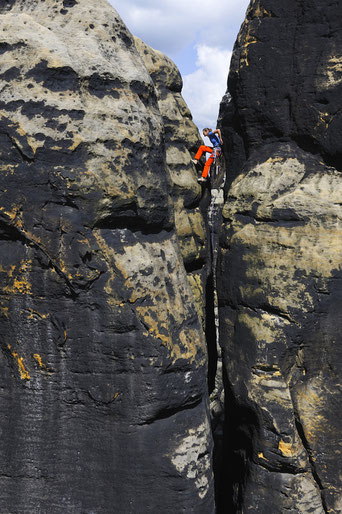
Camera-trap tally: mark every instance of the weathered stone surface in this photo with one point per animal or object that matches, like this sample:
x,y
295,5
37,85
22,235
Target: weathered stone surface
x,y
103,388
281,260
181,137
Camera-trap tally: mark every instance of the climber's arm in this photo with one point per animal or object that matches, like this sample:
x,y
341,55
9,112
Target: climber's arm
x,y
218,131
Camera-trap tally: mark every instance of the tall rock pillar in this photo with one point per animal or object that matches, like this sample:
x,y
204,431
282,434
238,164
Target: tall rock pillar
x,y
103,390
281,261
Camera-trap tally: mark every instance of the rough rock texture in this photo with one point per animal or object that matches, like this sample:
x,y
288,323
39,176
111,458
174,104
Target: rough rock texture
x,y
181,137
103,389
280,285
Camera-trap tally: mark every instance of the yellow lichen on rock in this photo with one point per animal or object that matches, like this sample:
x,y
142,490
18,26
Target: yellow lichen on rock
x,y
286,449
42,366
19,282
24,374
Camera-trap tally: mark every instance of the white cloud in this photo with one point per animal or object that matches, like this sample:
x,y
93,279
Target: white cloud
x,y
204,89
152,25
170,25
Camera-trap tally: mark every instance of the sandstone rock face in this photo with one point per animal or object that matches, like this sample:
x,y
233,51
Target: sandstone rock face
x,y
281,260
103,387
181,138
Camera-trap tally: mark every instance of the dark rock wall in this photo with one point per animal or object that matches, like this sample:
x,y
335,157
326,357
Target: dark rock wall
x,y
103,389
280,269
285,79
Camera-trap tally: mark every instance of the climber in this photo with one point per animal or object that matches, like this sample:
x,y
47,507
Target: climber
x,y
216,141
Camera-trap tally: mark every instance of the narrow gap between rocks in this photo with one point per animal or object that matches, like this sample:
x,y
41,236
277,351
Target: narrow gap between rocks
x,y
211,206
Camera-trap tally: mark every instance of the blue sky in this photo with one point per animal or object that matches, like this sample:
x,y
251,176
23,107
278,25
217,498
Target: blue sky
x,y
198,36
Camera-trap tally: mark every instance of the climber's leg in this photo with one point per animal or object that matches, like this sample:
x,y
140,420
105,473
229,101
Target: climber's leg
x,y
201,150
207,166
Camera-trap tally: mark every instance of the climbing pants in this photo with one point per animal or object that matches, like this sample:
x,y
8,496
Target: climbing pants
x,y
216,152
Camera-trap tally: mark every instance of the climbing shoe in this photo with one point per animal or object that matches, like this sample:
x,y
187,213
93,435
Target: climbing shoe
x,y
201,179
194,161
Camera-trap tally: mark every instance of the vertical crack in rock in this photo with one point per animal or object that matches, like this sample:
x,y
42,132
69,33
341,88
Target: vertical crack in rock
x,y
212,204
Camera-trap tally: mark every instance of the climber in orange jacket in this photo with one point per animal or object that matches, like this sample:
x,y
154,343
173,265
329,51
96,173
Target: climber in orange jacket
x,y
215,151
